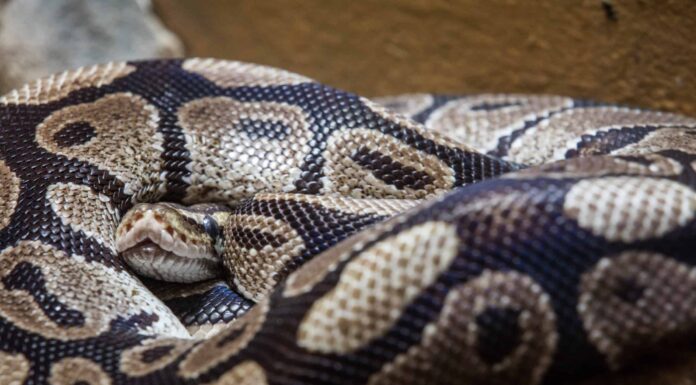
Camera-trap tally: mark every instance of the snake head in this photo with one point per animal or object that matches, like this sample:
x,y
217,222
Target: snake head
x,y
171,242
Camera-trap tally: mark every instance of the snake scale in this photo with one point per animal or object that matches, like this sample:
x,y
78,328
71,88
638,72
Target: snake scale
x,y
515,240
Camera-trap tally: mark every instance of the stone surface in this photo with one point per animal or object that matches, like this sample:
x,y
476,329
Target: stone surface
x,y
39,37
639,52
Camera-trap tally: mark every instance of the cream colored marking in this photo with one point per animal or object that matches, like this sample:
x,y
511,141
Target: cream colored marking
x,y
630,209
126,144
132,359
255,271
407,104
376,286
664,306
217,349
99,293
368,206
230,74
410,124
57,86
308,275
597,166
14,368
347,177
9,193
228,164
84,210
449,345
245,373
502,207
679,139
553,137
205,331
70,371
481,129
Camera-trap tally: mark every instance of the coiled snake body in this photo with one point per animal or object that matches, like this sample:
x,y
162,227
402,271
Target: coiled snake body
x,y
555,240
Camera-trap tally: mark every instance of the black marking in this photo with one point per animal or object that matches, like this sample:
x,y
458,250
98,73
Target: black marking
x,y
629,291
485,106
390,171
499,334
506,141
220,304
74,134
232,336
29,278
155,354
319,227
438,101
604,142
173,88
197,225
254,238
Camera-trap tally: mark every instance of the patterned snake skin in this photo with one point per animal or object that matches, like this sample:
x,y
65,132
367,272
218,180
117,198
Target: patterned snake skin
x,y
557,243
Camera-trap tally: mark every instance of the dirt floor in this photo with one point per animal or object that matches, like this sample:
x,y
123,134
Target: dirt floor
x,y
636,52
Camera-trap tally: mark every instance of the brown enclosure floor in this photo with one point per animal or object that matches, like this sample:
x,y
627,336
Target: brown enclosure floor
x,y
637,52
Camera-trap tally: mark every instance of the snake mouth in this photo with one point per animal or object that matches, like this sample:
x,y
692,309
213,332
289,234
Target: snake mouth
x,y
147,258
155,243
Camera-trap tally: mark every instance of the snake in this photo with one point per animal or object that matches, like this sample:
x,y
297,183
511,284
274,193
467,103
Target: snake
x,y
201,221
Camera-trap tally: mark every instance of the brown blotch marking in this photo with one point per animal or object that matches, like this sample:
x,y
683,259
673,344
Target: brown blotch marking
x,y
312,272
633,301
129,149
233,336
78,370
9,194
14,368
225,344
449,350
152,355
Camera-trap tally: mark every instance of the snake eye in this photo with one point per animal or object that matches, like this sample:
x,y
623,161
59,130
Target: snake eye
x,y
211,226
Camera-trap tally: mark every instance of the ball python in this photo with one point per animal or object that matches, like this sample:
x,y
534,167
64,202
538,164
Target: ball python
x,y
421,239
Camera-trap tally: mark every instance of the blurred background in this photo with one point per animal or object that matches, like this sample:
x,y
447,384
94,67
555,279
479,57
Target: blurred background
x,y
638,52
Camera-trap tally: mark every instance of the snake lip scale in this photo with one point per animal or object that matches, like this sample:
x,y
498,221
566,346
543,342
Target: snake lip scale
x,y
200,221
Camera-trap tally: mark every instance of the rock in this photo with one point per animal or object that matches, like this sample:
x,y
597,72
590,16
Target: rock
x,y
38,37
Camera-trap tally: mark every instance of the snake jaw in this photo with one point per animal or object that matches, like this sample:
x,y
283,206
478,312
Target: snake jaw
x,y
157,242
